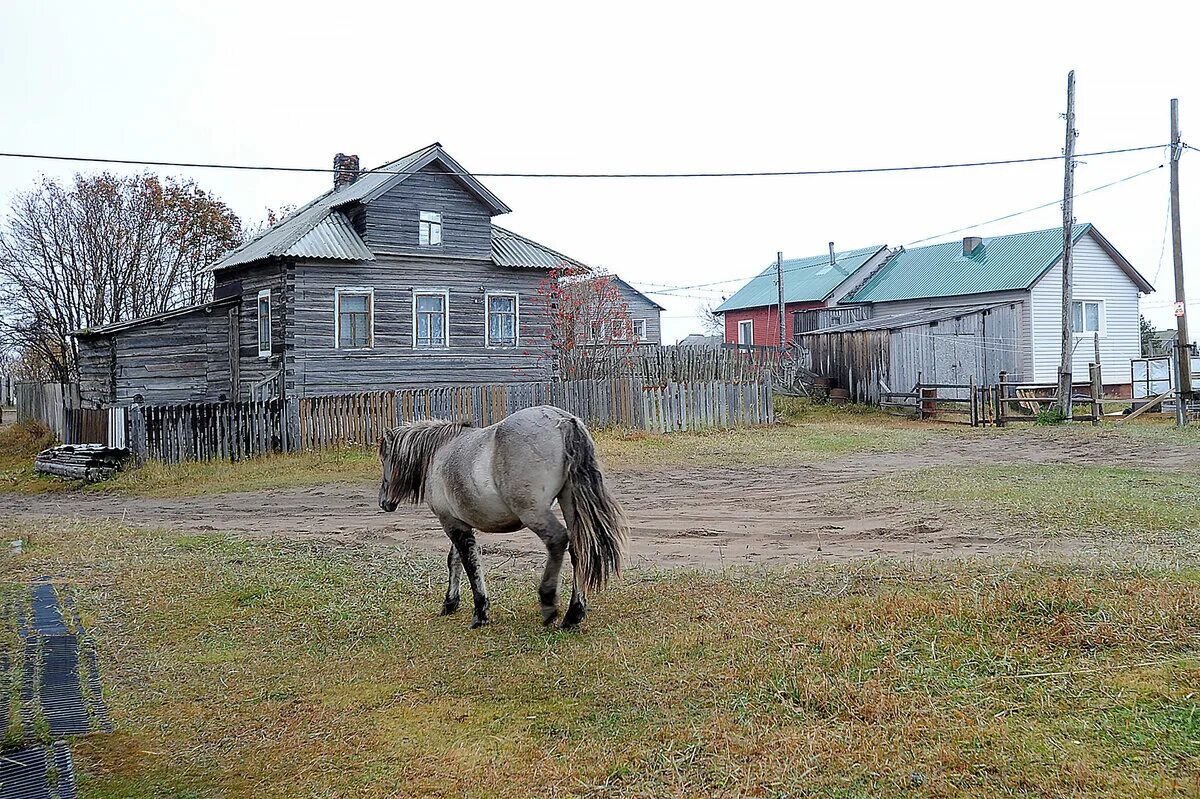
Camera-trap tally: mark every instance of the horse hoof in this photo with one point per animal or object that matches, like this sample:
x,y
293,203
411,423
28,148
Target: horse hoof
x,y
549,614
572,622
478,622
448,608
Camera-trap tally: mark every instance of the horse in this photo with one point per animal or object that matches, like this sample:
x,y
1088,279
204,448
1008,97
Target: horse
x,y
502,478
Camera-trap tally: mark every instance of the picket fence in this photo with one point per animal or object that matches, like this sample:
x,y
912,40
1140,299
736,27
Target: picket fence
x,y
236,430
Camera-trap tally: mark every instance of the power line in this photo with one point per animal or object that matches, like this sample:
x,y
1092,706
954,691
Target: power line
x,y
588,175
669,290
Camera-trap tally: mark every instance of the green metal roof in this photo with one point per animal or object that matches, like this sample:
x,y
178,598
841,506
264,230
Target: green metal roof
x,y
1003,263
804,280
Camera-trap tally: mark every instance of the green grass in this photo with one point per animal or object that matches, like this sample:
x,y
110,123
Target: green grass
x,y
1059,498
239,669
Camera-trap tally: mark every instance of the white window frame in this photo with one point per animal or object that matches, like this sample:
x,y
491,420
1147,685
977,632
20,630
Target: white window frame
x,y
1101,316
487,319
749,326
263,293
622,329
353,291
595,331
445,295
640,330
425,235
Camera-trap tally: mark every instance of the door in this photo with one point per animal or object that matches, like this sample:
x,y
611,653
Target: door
x,y
955,362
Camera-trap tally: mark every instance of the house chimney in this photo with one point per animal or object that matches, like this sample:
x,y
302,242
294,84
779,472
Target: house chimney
x,y
832,257
345,170
971,244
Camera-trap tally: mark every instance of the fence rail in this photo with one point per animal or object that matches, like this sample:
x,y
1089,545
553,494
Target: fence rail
x,y
235,430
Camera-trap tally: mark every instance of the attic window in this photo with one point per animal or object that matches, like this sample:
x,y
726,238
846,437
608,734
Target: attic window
x,y
430,229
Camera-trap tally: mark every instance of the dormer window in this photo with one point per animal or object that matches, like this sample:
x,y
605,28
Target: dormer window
x,y
431,229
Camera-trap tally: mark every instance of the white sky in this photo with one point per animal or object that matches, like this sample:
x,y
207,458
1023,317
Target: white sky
x,y
556,86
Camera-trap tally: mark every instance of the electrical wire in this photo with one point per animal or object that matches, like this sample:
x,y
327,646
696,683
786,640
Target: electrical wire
x,y
669,290
590,175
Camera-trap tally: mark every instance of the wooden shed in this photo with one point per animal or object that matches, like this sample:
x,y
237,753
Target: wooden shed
x,y
941,345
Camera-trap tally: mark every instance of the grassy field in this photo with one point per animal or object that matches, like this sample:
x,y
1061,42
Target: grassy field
x,y
805,432
236,669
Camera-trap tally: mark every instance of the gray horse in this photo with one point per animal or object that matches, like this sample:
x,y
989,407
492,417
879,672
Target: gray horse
x,y
501,478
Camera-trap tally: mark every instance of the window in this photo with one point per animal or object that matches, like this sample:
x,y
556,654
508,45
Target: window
x,y
1087,316
354,323
264,323
431,229
639,329
501,320
620,329
597,331
746,331
429,318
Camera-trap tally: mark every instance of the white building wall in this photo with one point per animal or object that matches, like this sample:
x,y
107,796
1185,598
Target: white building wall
x,y
1096,277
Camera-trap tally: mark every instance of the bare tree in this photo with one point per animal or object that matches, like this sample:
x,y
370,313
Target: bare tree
x,y
103,249
711,322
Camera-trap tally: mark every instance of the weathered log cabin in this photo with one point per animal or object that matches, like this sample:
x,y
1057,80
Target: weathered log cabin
x,y
396,277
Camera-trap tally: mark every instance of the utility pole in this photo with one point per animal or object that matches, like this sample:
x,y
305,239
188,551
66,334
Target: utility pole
x,y
1068,338
779,285
1183,345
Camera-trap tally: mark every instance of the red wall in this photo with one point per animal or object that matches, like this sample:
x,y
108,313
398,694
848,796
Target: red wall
x,y
766,322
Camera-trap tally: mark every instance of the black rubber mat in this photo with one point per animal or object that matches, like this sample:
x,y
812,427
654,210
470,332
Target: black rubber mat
x,y
38,772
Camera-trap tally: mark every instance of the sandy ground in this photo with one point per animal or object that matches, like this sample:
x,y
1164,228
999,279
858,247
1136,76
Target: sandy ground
x,y
696,517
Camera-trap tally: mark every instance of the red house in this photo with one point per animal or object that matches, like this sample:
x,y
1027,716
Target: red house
x,y
752,314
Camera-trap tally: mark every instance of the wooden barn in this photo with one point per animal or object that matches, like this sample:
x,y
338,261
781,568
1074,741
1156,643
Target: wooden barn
x,y
873,355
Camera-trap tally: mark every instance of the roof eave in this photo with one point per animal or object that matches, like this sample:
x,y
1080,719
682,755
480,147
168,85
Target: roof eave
x,y
436,153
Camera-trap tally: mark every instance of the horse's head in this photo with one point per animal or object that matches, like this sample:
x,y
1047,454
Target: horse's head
x,y
405,453
389,498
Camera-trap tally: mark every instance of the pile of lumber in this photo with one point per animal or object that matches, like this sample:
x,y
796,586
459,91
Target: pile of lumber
x,y
91,462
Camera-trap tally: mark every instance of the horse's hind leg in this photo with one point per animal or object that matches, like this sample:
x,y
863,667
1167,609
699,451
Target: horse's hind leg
x,y
554,536
454,568
463,538
578,607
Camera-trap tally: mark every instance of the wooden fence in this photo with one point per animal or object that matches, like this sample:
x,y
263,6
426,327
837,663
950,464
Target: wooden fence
x,y
653,365
208,431
44,402
235,430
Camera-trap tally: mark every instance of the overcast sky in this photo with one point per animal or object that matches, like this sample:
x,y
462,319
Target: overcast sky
x,y
554,87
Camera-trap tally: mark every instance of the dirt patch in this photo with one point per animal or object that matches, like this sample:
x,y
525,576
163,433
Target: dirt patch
x,y
699,517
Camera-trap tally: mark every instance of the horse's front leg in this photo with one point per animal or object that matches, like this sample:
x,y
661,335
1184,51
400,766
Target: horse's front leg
x,y
455,568
463,538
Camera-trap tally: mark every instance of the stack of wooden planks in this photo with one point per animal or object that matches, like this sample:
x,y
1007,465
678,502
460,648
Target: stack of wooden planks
x,y
90,462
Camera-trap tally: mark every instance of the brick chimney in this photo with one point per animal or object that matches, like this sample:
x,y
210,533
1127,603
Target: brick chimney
x,y
345,170
971,244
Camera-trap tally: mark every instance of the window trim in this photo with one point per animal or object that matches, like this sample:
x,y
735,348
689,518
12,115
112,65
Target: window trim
x,y
258,323
645,334
440,232
353,291
750,323
445,295
1101,312
487,319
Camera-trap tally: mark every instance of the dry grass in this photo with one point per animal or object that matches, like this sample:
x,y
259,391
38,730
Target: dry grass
x,y
236,669
19,442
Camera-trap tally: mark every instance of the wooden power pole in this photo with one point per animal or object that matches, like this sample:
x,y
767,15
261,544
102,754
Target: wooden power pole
x,y
1068,337
779,285
1183,345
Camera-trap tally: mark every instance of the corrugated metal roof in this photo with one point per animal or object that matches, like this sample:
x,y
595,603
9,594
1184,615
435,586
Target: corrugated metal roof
x,y
1003,263
910,319
277,240
513,249
804,280
116,327
332,237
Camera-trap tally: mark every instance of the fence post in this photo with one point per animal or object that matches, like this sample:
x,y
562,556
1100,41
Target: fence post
x,y
974,400
1002,399
1097,392
137,433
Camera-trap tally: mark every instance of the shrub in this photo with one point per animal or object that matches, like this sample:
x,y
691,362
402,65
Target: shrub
x,y
25,439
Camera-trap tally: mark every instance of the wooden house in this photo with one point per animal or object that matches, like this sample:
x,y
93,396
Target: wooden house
x,y
397,276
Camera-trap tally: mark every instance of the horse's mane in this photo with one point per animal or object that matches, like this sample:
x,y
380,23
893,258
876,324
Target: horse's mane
x,y
407,451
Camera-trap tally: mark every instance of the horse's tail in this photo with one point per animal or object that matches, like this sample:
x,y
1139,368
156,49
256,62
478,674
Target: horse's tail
x,y
598,530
